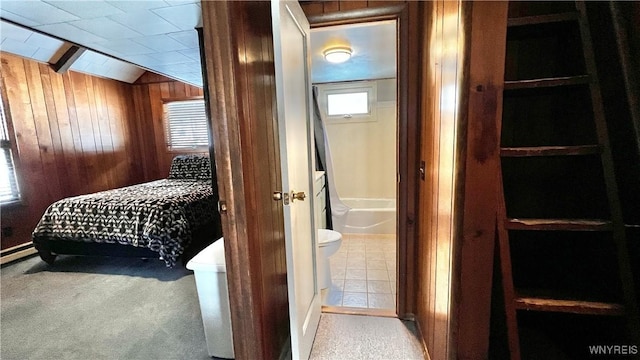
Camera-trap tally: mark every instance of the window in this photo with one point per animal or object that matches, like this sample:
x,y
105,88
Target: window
x,y
355,103
186,125
348,102
9,191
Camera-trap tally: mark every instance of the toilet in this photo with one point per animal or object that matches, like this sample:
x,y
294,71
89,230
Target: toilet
x,y
329,242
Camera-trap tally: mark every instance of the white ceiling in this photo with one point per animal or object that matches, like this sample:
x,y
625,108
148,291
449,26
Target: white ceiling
x,y
160,36
373,55
157,35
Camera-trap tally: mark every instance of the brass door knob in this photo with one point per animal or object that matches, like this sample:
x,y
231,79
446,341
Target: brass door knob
x,y
298,195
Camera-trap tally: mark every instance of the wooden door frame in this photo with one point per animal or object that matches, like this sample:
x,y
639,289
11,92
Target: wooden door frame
x,y
408,139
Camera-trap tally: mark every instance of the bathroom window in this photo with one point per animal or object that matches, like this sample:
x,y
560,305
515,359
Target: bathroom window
x,y
348,102
186,125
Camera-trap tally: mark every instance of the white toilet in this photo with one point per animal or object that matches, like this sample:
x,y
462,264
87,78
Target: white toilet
x,y
329,242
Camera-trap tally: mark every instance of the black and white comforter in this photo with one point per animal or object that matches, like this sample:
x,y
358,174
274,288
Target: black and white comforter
x,y
158,215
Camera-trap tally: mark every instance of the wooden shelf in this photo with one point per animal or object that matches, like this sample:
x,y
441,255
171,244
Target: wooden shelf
x,y
550,151
542,19
568,306
546,82
558,224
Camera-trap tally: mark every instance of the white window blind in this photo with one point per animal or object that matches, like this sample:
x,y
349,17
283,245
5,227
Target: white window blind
x,y
9,191
186,124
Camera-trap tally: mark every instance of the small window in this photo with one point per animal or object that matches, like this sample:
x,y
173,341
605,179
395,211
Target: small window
x,y
9,191
355,103
348,102
186,125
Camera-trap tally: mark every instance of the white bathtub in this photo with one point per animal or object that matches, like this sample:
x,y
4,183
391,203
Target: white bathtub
x,y
370,216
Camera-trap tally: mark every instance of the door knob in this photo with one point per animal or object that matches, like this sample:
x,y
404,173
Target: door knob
x,y
298,195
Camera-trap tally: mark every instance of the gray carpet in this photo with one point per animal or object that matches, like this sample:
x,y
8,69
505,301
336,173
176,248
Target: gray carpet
x,y
99,308
357,337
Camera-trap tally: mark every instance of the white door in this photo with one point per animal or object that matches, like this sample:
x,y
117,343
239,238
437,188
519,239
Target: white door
x,y
293,87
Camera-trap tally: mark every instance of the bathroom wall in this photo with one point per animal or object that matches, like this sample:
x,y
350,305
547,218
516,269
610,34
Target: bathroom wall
x,y
364,153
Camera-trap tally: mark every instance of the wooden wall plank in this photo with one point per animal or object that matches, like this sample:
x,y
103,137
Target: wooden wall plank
x,y
73,182
83,186
43,133
52,116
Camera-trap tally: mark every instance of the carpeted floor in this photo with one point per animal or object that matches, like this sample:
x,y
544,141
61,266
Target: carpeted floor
x,y
130,309
99,308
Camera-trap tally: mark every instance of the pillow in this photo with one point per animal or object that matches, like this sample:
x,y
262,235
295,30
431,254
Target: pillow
x,y
195,167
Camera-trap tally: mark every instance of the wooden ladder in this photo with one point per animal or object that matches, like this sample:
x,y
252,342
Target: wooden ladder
x,y
528,149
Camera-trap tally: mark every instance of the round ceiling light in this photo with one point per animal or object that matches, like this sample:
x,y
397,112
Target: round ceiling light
x,y
337,54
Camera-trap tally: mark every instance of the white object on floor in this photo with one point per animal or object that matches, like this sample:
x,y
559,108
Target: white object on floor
x,y
329,242
210,270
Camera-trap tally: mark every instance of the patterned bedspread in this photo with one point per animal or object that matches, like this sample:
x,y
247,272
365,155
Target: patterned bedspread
x,y
158,215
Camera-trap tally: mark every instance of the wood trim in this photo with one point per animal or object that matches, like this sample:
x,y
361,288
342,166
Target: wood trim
x,y
578,150
357,16
486,77
246,149
221,63
568,306
359,311
68,58
184,98
548,82
17,252
408,131
542,19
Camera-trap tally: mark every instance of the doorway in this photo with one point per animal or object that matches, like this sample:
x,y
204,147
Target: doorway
x,y
357,112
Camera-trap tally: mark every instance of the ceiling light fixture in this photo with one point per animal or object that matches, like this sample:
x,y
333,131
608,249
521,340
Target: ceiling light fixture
x,y
337,54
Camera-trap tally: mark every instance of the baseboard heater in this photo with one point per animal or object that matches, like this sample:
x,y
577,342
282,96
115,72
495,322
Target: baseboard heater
x,y
17,252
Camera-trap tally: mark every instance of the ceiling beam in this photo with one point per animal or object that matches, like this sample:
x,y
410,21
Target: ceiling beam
x,y
68,58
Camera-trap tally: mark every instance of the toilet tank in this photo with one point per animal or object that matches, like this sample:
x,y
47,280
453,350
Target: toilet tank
x,y
320,211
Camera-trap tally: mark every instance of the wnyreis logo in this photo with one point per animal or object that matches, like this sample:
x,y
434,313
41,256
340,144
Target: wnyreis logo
x,y
613,349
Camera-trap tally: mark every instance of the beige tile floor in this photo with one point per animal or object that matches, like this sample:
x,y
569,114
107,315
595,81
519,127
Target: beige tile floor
x,y
363,272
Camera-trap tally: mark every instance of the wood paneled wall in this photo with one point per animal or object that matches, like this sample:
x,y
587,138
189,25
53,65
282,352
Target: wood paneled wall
x,y
73,137
462,85
238,44
148,94
443,46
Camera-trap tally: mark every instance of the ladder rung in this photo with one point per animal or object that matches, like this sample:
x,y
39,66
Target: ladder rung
x,y
568,306
546,82
558,224
542,19
550,150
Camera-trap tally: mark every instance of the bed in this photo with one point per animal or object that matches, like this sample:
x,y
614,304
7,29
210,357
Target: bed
x,y
167,219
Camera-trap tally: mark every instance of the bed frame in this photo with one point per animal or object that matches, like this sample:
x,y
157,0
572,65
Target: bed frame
x,y
49,248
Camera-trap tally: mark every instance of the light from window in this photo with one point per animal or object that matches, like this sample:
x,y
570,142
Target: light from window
x,y
9,191
186,125
348,103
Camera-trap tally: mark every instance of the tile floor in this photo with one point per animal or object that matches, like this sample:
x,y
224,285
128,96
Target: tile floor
x,y
363,272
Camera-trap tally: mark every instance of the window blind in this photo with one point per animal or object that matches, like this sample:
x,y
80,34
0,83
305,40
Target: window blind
x,y
9,191
186,125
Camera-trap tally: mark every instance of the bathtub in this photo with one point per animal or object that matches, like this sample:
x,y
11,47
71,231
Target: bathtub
x,y
370,216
